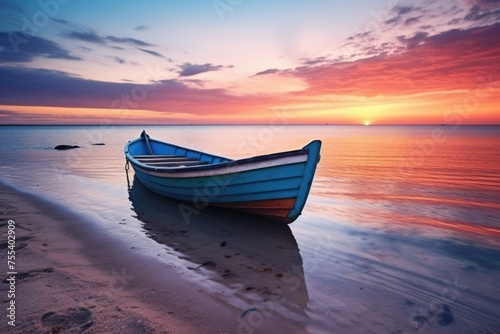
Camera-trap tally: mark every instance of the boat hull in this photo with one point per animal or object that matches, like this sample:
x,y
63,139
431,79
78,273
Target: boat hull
x,y
275,186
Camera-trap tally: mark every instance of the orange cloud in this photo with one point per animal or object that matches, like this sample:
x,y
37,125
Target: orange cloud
x,y
455,59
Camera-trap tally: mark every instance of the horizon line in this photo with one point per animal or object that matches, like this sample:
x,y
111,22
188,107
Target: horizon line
x,y
252,124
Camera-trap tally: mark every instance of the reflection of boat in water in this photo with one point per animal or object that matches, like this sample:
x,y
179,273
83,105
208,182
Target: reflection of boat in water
x,y
274,185
257,259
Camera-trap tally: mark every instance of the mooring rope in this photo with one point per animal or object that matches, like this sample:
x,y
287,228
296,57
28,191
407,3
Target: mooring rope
x,y
127,167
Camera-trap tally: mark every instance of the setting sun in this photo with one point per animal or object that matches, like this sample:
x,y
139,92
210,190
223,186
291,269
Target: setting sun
x,y
367,123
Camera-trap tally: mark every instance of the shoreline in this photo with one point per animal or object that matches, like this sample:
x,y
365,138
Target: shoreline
x,y
71,278
67,277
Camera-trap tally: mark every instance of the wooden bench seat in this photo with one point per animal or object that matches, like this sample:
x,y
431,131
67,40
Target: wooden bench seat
x,y
169,160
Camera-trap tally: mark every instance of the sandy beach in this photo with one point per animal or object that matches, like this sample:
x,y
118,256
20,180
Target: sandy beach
x,y
71,279
67,280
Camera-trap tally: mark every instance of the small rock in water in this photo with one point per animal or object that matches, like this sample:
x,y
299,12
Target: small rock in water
x,y
100,144
65,147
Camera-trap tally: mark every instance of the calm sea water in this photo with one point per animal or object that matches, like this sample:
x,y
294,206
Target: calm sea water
x,y
401,231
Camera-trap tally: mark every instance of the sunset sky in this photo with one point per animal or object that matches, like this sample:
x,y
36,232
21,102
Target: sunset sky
x,y
250,61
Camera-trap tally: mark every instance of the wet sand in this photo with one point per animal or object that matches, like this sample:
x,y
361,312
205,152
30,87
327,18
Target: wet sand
x,y
72,278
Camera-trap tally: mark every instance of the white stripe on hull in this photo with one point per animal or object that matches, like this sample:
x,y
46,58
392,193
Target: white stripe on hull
x,y
229,169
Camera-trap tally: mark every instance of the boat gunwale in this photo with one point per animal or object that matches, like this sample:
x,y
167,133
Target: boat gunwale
x,y
219,165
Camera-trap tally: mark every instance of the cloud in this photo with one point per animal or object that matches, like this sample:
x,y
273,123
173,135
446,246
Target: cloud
x,y
86,36
119,60
127,40
11,15
64,22
198,83
412,20
7,113
4,5
393,21
15,48
46,87
188,69
84,48
41,87
484,11
401,10
425,64
154,53
93,37
405,25
411,42
142,28
485,3
475,12
14,117
361,35
269,71
314,61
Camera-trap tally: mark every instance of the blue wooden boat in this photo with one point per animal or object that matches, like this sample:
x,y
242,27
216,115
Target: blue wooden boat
x,y
275,185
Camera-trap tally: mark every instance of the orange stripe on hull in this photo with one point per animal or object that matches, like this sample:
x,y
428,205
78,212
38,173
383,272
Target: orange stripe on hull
x,y
277,209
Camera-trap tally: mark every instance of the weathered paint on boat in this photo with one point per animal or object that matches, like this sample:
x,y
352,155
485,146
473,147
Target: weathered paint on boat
x,y
275,185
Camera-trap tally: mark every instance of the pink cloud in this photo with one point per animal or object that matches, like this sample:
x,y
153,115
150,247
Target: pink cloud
x,y
450,60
